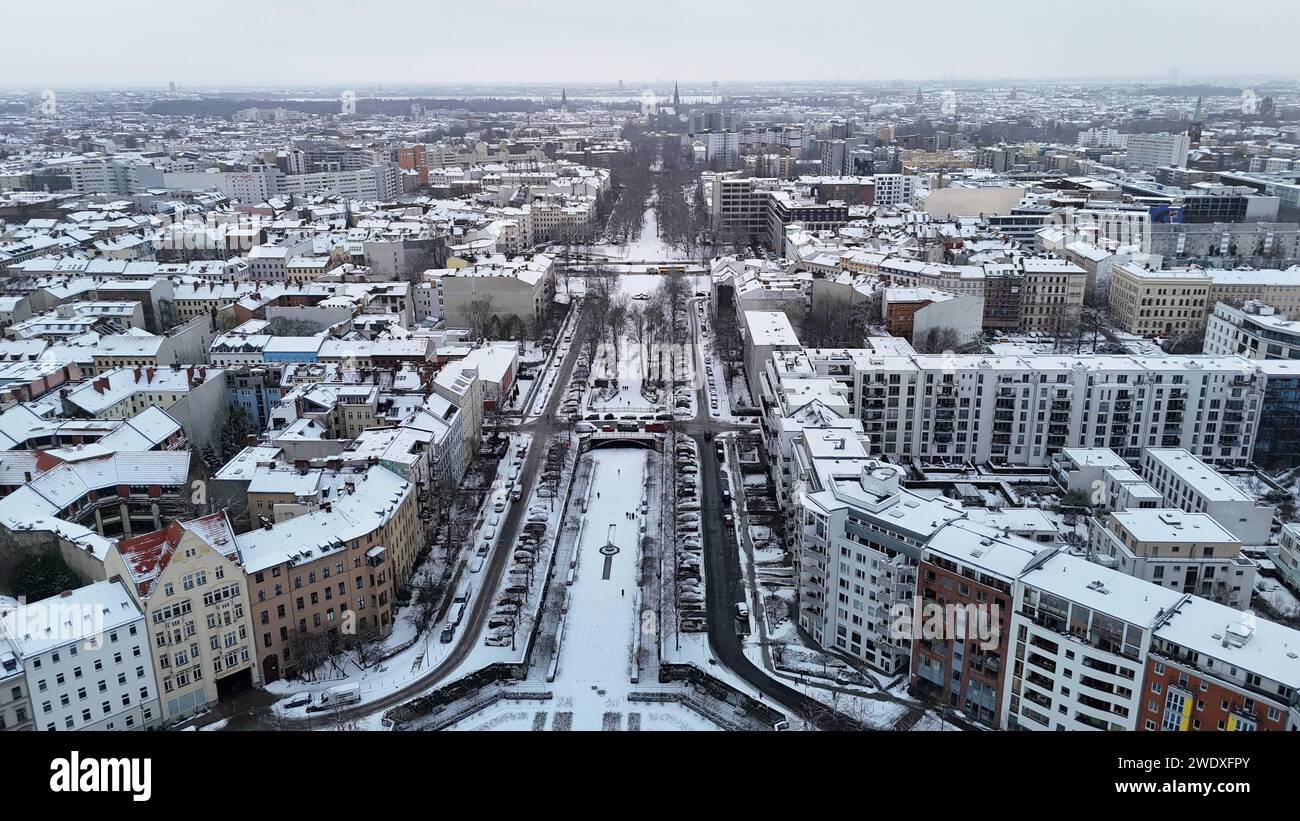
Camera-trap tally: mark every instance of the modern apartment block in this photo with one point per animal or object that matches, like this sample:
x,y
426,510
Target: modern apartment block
x,y
1024,409
757,209
1254,330
1190,484
1212,667
1148,151
970,572
1080,634
1185,552
859,538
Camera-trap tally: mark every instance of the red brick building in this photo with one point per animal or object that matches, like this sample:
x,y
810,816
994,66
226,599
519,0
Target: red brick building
x,y
1212,667
966,574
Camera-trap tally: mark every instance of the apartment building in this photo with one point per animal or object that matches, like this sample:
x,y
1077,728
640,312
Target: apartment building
x,y
195,396
1158,303
1149,151
895,189
1212,667
1023,409
1080,635
1287,554
1254,330
1052,295
916,313
859,537
498,289
558,217
1277,437
1190,484
15,700
1185,552
757,209
966,577
87,661
188,581
1229,242
333,571
1278,288
377,182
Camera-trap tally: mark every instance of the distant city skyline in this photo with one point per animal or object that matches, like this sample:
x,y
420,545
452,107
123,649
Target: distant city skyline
x,y
332,43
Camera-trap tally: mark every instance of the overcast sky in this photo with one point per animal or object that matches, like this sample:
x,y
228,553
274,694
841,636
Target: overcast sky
x,y
355,43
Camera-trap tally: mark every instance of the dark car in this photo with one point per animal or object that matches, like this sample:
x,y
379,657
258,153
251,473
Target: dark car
x,y
609,417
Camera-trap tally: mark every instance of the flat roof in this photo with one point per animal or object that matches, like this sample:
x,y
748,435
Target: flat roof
x,y
1205,480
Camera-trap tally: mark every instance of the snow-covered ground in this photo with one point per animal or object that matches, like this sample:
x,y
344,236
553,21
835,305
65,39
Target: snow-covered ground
x,y
647,247
602,623
602,617
1278,596
515,716
633,284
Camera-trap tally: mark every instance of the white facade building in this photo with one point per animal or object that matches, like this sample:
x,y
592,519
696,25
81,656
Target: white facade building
x,y
87,658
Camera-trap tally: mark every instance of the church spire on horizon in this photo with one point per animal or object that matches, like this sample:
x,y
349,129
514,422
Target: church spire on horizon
x,y
677,97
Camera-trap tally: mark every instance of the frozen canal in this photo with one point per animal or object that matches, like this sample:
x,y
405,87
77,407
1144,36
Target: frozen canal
x,y
593,678
602,618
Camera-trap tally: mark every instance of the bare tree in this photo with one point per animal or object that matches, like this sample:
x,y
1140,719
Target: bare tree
x,y
727,342
479,314
639,326
939,340
616,321
309,651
